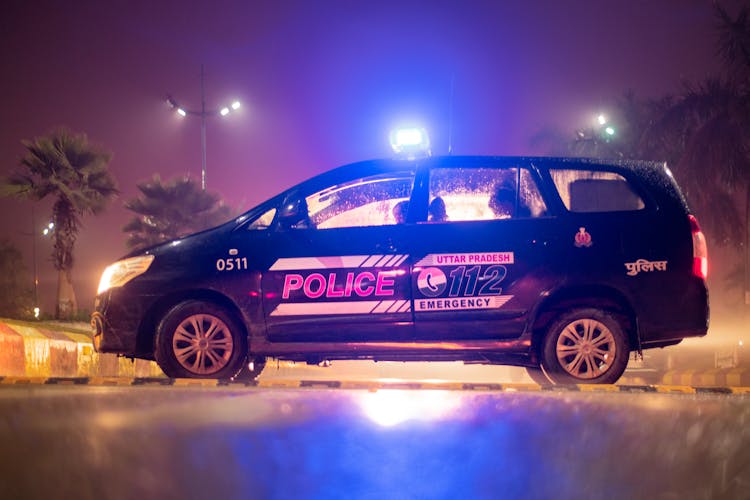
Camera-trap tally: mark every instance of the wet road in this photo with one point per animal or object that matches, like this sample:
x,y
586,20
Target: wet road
x,y
229,442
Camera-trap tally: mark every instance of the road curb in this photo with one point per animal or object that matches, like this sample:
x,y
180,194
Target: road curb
x,y
371,386
29,351
714,377
32,352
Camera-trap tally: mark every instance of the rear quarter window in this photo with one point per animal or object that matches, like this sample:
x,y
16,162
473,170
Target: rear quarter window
x,y
591,191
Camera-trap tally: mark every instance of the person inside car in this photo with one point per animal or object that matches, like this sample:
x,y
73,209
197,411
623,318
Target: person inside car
x,y
436,211
400,210
503,204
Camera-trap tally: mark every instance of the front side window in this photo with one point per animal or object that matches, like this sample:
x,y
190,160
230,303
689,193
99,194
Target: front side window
x,y
370,201
590,191
471,194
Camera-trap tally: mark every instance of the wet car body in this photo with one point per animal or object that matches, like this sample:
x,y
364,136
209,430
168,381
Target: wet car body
x,y
477,287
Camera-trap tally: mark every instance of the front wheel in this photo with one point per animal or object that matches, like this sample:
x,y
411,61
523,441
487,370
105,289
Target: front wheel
x,y
197,339
585,346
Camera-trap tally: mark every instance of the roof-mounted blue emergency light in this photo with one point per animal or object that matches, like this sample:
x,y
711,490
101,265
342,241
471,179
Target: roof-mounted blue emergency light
x,y
410,142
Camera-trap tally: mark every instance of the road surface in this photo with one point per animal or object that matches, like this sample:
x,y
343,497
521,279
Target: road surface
x,y
243,442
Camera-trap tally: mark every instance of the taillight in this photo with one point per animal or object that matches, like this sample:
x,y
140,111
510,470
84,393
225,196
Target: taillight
x,y
700,251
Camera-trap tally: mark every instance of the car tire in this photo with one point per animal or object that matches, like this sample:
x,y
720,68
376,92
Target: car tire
x,y
537,375
585,346
251,369
197,339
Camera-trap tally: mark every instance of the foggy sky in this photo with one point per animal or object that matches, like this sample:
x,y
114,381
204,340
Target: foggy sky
x,y
321,83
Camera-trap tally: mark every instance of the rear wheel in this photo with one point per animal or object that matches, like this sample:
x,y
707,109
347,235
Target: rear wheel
x,y
197,339
585,346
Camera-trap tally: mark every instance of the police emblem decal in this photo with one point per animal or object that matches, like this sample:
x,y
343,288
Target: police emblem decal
x,y
582,238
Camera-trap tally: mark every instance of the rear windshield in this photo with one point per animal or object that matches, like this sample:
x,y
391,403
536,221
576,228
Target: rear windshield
x,y
590,191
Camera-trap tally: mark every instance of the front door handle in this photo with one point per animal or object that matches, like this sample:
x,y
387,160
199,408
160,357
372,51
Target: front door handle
x,y
387,246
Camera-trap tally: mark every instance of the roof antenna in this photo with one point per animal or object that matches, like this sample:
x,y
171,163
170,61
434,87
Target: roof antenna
x,y
450,116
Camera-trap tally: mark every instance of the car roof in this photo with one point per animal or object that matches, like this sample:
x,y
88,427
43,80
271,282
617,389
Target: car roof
x,y
539,161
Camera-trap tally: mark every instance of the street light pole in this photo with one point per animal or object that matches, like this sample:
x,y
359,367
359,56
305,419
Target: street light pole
x,y
747,247
203,131
203,113
33,254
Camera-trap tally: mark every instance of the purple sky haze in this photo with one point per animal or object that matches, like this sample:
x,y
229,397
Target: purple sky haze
x,y
321,83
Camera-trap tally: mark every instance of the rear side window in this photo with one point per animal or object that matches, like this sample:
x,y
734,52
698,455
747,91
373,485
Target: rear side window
x,y
589,191
471,194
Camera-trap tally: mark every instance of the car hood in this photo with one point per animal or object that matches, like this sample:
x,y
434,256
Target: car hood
x,y
188,243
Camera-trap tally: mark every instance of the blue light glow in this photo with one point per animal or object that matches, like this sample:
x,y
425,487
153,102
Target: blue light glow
x,y
410,141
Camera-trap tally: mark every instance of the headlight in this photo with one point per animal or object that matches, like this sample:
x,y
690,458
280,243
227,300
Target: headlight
x,y
123,271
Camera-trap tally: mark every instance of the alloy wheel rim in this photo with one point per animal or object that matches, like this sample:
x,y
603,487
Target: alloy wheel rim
x,y
202,344
586,349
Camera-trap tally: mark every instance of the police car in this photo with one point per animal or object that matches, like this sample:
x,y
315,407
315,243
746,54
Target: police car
x,y
563,266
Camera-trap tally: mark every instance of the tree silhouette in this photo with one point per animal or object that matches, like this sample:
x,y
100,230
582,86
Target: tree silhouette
x,y
166,211
64,166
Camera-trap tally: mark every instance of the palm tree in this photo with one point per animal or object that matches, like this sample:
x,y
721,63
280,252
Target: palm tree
x,y
166,211
734,44
708,129
704,133
66,167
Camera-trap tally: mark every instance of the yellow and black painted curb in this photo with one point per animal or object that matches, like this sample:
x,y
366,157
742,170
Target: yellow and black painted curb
x,y
32,353
367,385
716,377
30,350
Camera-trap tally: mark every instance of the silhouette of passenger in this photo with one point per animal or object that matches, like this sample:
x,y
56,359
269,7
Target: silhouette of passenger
x,y
436,211
503,204
400,211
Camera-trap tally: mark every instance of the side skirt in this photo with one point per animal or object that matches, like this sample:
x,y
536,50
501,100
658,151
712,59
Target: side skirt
x,y
482,351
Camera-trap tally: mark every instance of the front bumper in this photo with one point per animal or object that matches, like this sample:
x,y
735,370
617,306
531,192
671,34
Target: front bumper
x,y
115,323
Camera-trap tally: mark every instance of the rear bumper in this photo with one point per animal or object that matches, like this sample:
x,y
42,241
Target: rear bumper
x,y
678,316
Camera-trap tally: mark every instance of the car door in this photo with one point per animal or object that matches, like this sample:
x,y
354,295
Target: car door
x,y
484,253
337,268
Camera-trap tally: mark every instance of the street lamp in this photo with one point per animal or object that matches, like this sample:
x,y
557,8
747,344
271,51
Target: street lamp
x,y
606,130
203,113
597,138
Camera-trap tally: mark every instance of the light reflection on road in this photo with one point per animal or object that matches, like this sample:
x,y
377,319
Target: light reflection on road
x,y
392,407
171,442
